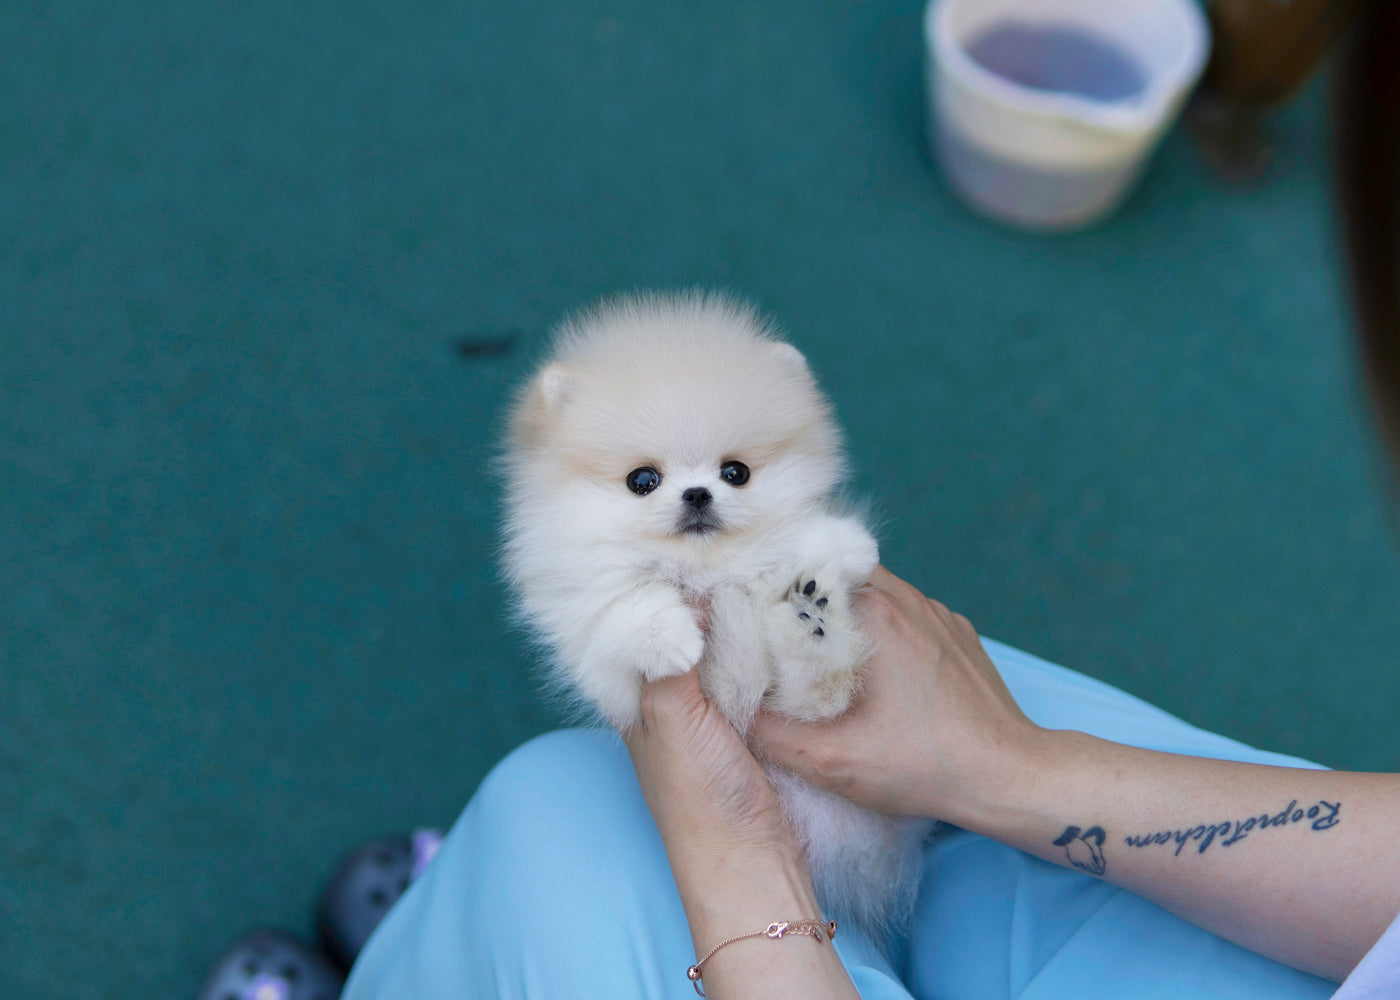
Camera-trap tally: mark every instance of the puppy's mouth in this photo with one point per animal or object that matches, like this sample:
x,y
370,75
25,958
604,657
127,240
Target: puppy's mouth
x,y
698,523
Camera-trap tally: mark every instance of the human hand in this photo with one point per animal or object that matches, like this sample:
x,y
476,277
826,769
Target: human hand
x,y
696,773
735,858
934,731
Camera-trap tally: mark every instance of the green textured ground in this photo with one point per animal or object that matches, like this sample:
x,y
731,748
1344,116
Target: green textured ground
x,y
247,607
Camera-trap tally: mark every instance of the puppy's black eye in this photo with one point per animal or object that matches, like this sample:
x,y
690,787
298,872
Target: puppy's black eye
x,y
734,473
642,481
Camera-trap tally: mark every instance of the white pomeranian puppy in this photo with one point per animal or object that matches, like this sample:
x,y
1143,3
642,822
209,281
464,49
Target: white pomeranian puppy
x,y
673,453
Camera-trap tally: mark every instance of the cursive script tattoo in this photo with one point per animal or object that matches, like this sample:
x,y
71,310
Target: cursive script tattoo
x,y
1321,816
1084,848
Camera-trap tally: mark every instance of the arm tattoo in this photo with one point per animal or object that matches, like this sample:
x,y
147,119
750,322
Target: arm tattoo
x,y
1084,848
1321,816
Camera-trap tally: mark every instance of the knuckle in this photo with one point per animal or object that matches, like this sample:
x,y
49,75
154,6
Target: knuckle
x,y
880,608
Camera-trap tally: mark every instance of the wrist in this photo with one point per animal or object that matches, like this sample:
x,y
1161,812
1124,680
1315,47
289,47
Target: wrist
x,y
735,913
718,913
726,892
1012,780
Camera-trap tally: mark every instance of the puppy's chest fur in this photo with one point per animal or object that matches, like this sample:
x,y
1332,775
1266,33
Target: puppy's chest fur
x,y
777,606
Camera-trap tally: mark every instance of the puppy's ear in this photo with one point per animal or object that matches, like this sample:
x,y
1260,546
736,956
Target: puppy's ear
x,y
551,386
792,364
538,405
789,356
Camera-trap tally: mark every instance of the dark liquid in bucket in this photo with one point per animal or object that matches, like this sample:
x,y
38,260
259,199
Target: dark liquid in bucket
x,y
1058,58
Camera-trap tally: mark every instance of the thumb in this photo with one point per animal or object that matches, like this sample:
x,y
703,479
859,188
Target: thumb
x,y
784,741
667,705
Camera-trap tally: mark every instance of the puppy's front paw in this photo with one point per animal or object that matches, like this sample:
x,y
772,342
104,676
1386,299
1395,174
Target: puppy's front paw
x,y
809,603
644,635
817,650
670,643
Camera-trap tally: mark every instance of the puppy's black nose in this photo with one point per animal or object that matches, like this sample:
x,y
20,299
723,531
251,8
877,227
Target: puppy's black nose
x,y
697,496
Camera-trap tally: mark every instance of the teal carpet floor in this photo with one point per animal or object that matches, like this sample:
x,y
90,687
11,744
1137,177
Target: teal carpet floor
x,y
269,271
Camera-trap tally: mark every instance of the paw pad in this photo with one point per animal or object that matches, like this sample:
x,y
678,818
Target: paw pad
x,y
807,604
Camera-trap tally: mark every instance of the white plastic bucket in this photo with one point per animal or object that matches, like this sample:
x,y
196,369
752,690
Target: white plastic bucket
x,y
1049,159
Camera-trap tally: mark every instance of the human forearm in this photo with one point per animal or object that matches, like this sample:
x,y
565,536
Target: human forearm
x,y
1295,864
937,733
742,893
735,859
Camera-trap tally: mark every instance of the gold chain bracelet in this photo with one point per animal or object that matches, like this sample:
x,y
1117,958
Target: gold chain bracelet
x,y
778,928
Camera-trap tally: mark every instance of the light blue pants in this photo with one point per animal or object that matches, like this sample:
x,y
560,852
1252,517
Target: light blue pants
x,y
554,884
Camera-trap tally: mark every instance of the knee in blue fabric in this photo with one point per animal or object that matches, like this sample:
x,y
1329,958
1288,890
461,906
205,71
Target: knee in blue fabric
x,y
553,882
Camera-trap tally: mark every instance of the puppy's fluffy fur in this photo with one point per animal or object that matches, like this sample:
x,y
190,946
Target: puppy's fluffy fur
x,y
673,452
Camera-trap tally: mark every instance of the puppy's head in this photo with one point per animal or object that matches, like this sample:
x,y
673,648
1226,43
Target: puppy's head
x,y
675,424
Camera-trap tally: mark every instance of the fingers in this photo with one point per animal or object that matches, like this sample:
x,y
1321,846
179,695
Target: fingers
x,y
800,747
776,733
895,587
884,582
895,594
907,598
